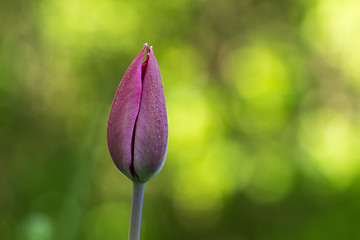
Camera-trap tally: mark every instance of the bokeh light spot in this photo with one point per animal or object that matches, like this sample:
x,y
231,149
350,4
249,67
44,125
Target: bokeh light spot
x,y
331,141
81,25
331,27
37,226
263,85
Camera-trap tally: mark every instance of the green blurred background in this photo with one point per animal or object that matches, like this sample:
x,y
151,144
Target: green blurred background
x,y
263,107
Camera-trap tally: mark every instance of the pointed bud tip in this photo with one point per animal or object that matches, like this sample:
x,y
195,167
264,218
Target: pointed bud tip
x,y
148,49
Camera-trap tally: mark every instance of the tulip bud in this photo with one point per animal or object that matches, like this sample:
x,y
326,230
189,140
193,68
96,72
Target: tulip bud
x,y
137,130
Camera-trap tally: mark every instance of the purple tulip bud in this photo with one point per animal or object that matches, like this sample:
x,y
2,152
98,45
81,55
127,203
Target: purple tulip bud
x,y
137,130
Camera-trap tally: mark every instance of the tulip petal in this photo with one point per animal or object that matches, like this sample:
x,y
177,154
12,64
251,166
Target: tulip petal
x,y
151,134
123,114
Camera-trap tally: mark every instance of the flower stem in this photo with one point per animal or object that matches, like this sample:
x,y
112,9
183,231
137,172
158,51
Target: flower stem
x,y
136,209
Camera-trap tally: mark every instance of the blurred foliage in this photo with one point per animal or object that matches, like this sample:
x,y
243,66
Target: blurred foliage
x,y
263,107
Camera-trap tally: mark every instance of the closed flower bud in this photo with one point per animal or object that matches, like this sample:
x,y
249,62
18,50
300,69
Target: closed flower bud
x,y
137,130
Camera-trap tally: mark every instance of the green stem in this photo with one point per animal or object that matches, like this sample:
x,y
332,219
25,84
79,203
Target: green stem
x,y
136,209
